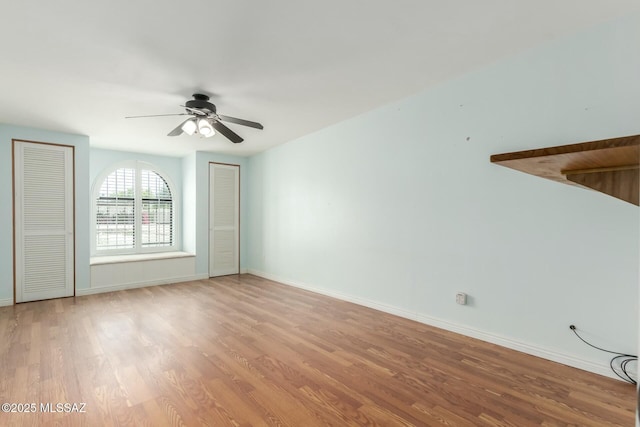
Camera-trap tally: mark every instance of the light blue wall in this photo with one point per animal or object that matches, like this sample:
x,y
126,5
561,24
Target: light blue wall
x,y
103,159
401,206
189,197
170,167
197,214
81,144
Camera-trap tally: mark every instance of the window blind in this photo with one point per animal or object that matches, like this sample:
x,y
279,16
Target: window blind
x,y
134,210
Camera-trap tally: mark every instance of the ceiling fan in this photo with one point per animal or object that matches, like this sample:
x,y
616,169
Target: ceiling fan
x,y
205,120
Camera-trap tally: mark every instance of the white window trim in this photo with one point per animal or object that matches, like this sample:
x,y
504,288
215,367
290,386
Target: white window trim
x,y
138,165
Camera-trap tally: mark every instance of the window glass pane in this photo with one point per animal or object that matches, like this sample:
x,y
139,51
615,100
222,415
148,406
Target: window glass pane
x,y
157,211
115,211
117,218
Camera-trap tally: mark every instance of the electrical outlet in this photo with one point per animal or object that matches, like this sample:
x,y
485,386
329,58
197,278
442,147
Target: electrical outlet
x,y
461,298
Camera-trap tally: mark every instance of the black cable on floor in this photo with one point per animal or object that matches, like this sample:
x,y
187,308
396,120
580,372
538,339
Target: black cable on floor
x,y
622,358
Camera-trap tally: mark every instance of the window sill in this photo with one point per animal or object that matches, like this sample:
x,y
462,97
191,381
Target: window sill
x,y
114,259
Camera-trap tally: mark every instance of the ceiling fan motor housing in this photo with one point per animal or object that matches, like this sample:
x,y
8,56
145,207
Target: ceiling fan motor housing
x,y
201,102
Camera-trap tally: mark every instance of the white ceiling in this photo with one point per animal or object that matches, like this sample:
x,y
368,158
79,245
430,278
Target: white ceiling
x,y
81,66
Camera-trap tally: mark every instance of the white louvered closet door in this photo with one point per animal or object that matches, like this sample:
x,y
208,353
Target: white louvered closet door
x,y
44,229
224,219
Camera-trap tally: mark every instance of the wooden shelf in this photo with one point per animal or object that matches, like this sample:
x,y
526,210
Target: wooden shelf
x,y
610,166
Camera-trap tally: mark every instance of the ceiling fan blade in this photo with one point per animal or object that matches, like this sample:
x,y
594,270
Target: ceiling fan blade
x,y
178,131
228,133
241,122
157,115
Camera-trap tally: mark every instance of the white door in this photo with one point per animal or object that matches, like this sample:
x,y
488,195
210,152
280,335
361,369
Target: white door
x,y
44,221
224,219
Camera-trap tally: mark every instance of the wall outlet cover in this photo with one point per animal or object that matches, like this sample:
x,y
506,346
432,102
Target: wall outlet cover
x,y
461,298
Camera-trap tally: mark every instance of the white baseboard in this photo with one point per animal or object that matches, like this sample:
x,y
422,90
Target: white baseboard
x,y
5,302
565,359
122,287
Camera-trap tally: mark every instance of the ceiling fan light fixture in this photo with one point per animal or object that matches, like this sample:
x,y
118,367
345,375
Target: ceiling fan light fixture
x,y
189,127
205,128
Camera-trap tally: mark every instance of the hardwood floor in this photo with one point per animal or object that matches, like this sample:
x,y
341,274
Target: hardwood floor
x,y
244,351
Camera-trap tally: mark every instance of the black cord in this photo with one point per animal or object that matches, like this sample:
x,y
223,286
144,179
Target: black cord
x,y
623,358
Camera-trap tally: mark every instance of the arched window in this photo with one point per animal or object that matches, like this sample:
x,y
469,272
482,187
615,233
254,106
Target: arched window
x,y
134,211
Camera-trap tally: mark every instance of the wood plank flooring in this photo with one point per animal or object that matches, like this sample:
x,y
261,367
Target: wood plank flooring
x,y
244,351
